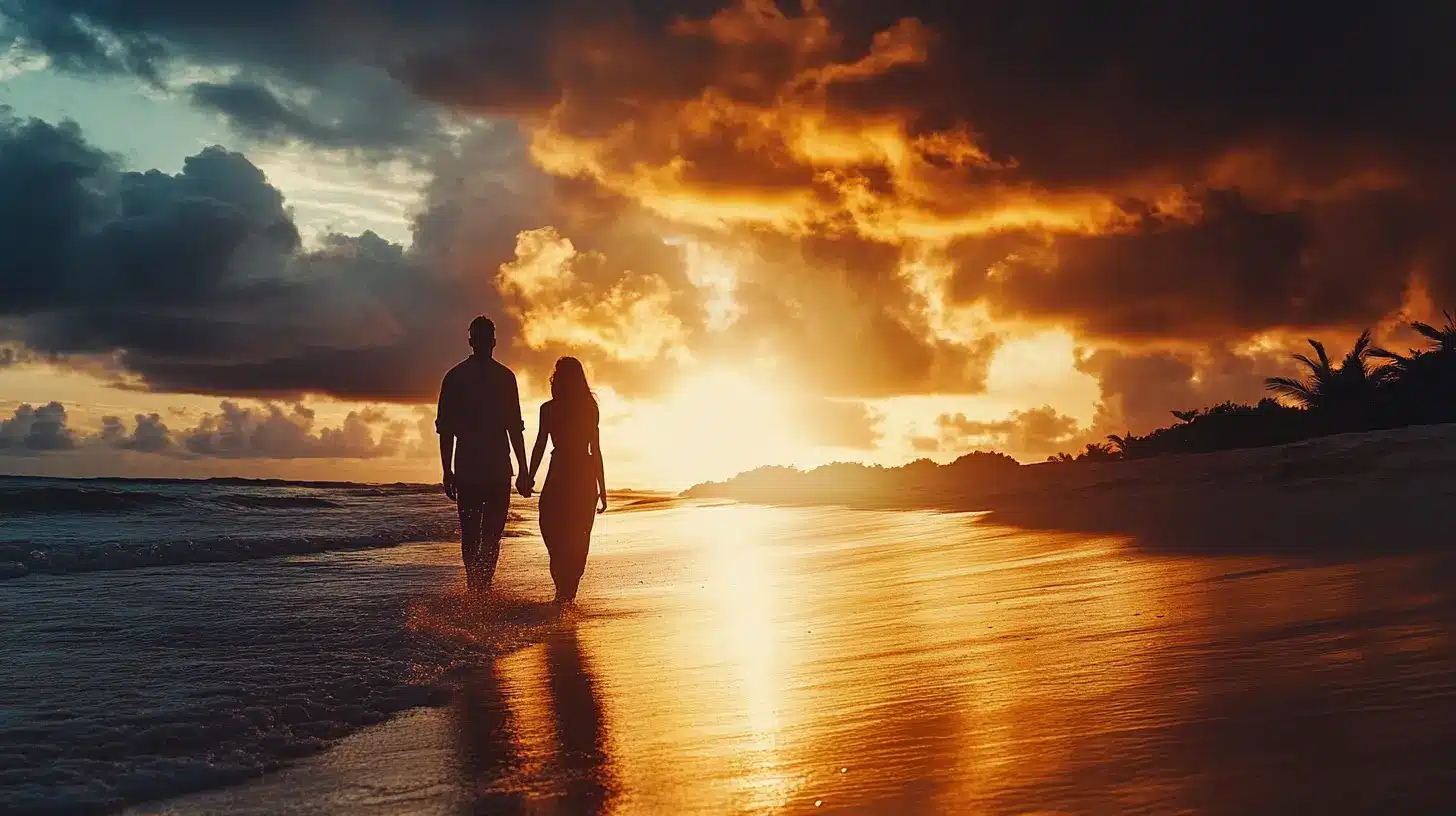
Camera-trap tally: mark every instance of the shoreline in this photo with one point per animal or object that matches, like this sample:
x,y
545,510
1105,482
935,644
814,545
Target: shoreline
x,y
404,764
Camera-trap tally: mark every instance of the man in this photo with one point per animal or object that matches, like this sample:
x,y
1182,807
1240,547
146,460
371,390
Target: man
x,y
480,406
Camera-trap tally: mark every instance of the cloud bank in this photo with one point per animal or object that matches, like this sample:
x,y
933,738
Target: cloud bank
x,y
868,194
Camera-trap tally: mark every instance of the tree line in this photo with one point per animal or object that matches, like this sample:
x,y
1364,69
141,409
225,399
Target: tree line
x,y
1370,388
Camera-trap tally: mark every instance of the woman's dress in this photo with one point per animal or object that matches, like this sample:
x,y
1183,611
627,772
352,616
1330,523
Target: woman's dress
x,y
569,497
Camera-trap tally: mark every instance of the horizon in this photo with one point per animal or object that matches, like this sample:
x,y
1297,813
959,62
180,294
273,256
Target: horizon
x,y
834,236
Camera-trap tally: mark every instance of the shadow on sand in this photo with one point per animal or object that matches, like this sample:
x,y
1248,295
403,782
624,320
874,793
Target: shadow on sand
x,y
1317,520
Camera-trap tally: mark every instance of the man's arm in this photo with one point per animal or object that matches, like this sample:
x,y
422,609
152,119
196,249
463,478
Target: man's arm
x,y
444,426
447,452
539,452
517,428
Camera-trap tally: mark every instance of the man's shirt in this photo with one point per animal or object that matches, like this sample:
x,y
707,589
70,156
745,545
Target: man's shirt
x,y
479,405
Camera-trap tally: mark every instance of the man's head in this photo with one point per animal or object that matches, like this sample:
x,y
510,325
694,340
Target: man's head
x,y
482,335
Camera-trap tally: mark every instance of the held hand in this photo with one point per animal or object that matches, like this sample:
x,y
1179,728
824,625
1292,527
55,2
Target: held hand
x,y
525,485
449,481
602,502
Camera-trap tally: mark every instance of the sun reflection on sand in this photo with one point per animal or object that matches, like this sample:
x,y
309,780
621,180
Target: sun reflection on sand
x,y
734,659
741,590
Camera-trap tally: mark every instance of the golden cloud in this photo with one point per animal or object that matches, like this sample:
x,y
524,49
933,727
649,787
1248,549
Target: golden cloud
x,y
762,145
554,292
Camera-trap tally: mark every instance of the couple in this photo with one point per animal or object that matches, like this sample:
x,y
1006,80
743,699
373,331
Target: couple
x,y
480,407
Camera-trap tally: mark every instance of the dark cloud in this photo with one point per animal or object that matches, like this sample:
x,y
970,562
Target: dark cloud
x,y
148,435
31,430
271,432
1161,175
1227,268
264,431
197,281
1031,434
1141,390
360,109
367,75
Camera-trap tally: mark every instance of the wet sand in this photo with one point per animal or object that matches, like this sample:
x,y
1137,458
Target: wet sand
x,y
740,659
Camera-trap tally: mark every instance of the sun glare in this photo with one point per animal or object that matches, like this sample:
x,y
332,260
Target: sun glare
x,y
713,425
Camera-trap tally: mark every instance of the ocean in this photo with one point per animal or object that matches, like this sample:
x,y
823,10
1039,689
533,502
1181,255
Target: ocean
x,y
87,525
144,657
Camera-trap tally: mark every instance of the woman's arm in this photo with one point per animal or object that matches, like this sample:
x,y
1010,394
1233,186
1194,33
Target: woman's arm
x,y
543,430
601,469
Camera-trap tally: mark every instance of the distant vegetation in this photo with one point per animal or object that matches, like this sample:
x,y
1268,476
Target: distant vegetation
x,y
854,482
1369,389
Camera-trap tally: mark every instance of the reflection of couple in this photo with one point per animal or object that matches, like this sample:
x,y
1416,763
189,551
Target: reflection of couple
x,y
495,750
480,407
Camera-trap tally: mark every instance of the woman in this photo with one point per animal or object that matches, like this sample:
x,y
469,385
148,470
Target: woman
x,y
575,484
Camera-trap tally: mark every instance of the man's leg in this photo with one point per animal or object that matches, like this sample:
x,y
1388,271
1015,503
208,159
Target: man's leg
x,y
470,506
496,500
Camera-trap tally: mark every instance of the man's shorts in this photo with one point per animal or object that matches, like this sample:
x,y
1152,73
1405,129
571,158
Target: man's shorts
x,y
489,498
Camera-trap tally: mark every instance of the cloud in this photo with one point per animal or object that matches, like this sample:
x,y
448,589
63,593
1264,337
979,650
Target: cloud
x,y
1030,434
31,430
888,181
10,356
1224,266
565,301
1140,390
198,281
235,431
149,434
358,109
270,432
838,423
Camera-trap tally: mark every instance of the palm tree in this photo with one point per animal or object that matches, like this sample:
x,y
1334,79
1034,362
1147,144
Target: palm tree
x,y
1425,379
1328,385
1123,445
1443,342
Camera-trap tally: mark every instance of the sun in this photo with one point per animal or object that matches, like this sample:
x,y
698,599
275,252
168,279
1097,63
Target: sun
x,y
712,425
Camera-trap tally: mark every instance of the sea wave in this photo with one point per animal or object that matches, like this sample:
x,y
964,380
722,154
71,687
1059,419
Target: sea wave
x,y
272,502
35,500
69,500
18,559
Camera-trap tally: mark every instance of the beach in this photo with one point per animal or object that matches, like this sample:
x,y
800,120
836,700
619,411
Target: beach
x,y
743,659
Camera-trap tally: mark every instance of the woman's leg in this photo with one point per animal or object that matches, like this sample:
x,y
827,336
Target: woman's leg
x,y
576,544
552,533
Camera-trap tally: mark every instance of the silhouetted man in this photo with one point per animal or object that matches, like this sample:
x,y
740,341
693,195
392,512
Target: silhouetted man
x,y
480,406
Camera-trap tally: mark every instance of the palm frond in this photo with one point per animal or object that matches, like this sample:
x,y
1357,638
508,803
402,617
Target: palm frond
x,y
1291,388
1314,368
1360,349
1319,349
1430,332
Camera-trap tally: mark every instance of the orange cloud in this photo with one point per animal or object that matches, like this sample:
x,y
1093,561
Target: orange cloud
x,y
550,290
761,144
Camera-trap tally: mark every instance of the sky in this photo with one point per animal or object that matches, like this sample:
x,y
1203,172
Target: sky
x,y
247,239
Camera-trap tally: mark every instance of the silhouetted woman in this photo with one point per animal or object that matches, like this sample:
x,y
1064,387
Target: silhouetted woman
x,y
576,488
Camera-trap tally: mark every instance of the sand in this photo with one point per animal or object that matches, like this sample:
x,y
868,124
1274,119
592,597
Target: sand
x,y
738,659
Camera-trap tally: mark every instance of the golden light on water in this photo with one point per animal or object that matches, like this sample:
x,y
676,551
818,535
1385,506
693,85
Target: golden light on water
x,y
733,659
741,657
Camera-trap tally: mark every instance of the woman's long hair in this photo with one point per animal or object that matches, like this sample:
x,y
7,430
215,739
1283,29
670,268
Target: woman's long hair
x,y
569,388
